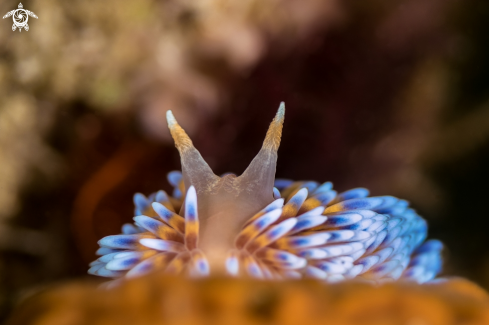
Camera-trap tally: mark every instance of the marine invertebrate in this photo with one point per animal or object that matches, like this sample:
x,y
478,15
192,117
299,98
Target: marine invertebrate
x,y
257,226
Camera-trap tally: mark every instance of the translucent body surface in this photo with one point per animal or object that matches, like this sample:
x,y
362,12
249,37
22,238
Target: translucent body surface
x,y
225,203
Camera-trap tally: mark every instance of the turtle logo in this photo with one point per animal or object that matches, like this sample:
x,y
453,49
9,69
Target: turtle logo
x,y
20,17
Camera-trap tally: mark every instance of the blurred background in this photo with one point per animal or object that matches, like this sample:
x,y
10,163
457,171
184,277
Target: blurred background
x,y
388,95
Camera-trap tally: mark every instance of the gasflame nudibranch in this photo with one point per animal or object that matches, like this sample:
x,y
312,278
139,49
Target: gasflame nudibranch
x,y
256,226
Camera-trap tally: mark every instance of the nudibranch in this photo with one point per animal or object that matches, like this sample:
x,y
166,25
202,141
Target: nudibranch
x,y
256,226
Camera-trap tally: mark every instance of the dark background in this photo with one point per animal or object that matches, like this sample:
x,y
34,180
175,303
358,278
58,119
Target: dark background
x,y
392,96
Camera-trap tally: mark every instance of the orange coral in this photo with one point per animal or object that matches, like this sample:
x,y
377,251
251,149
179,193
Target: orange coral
x,y
156,299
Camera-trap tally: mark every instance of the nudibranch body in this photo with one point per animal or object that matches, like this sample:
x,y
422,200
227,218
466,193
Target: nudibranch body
x,y
256,226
